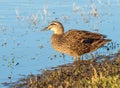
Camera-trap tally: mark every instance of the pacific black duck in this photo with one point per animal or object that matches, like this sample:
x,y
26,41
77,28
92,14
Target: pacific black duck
x,y
75,42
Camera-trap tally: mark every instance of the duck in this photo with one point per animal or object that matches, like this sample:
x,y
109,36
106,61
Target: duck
x,y
74,42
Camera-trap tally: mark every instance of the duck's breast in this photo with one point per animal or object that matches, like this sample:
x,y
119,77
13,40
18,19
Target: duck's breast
x,y
56,41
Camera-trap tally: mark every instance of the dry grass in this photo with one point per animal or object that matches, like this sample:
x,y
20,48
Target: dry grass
x,y
83,74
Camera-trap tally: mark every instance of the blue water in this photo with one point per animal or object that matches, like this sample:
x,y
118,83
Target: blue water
x,y
25,50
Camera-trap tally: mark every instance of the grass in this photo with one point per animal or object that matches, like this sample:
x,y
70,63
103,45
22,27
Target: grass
x,y
83,74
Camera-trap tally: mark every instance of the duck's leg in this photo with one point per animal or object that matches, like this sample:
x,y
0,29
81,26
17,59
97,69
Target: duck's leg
x,y
78,58
74,59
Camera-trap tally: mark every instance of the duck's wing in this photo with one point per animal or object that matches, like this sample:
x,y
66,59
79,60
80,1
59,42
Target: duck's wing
x,y
82,36
85,34
88,41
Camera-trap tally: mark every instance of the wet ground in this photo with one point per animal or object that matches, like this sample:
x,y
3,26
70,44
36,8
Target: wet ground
x,y
80,74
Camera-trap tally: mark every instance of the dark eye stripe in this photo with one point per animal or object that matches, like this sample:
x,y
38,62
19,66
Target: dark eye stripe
x,y
53,24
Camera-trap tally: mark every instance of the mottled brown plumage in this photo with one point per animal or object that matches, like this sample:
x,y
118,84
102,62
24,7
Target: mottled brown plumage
x,y
75,42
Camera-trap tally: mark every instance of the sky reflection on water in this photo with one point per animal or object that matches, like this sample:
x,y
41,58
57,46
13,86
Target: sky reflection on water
x,y
24,49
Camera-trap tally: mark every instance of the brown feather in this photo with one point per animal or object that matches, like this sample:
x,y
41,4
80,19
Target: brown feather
x,y
75,42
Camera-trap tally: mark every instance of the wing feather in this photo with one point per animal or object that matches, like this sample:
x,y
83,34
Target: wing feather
x,y
81,41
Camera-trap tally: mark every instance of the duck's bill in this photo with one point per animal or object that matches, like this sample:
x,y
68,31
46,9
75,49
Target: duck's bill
x,y
44,29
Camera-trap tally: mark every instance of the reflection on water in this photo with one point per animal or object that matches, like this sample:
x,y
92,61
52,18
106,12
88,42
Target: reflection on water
x,y
24,49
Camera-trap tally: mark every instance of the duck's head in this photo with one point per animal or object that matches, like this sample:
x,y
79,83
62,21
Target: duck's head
x,y
55,26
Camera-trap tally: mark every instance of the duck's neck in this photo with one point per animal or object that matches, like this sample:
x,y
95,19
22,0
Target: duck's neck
x,y
59,33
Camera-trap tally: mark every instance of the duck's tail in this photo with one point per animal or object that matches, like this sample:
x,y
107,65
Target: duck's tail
x,y
99,43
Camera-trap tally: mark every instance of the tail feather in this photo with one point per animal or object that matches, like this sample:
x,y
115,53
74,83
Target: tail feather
x,y
99,44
